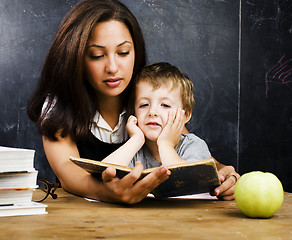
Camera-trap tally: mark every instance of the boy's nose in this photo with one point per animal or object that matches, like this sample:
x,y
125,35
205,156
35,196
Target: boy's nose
x,y
153,112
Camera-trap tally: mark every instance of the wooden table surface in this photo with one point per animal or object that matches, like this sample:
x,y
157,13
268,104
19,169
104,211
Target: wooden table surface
x,y
72,217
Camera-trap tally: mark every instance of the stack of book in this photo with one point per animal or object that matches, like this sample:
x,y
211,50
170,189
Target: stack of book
x,y
18,181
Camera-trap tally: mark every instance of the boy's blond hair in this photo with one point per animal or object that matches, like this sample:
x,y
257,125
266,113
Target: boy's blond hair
x,y
163,73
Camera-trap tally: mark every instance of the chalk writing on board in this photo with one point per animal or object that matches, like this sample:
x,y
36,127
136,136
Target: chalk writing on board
x,y
280,73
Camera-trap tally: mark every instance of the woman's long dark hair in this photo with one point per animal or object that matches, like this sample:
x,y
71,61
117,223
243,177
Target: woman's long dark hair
x,y
63,81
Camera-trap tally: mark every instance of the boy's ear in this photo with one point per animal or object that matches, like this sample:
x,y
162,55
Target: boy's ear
x,y
188,116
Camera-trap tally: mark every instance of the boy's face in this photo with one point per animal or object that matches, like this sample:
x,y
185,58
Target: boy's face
x,y
153,106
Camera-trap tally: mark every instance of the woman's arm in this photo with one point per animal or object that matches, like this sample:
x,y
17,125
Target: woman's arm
x,y
78,181
73,179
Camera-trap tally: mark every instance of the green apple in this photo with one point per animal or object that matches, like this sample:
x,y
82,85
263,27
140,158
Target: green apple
x,y
258,194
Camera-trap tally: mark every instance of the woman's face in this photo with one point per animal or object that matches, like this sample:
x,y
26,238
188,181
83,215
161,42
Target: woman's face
x,y
109,58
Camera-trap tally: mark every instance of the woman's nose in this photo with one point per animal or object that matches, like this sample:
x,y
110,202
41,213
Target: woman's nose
x,y
111,65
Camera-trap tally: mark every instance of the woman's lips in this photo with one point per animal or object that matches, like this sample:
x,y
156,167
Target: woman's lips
x,y
113,82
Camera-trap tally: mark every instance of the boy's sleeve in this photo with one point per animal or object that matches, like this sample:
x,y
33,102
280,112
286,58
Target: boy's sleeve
x,y
193,148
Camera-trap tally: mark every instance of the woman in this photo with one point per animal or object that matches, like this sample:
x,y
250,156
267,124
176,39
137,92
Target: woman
x,y
79,103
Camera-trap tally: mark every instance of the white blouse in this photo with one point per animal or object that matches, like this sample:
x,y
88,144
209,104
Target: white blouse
x,y
105,133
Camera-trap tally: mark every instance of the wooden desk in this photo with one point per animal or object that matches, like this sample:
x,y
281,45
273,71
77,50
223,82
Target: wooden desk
x,y
71,217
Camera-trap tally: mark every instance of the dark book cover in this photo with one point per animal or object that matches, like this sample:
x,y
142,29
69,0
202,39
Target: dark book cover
x,y
185,179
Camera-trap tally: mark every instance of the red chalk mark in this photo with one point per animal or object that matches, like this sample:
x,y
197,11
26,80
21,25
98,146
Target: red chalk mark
x,y
280,73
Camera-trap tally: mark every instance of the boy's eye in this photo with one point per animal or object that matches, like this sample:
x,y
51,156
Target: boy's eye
x,y
165,105
143,105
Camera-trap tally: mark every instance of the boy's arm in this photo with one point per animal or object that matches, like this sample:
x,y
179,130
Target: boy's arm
x,y
124,154
169,156
169,138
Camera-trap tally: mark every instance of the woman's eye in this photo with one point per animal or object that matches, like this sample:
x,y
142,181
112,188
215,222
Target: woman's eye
x,y
96,57
124,53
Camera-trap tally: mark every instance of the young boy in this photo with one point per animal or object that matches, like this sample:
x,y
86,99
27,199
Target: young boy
x,y
162,103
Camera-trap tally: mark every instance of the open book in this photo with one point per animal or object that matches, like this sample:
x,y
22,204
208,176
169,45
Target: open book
x,y
185,179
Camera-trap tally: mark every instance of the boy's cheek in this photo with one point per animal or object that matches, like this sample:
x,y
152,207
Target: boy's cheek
x,y
138,123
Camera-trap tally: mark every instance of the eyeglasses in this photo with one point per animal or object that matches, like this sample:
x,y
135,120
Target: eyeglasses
x,y
46,188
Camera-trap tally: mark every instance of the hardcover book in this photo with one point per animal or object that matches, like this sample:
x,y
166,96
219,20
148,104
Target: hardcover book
x,y
185,179
19,209
16,159
18,180
15,195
